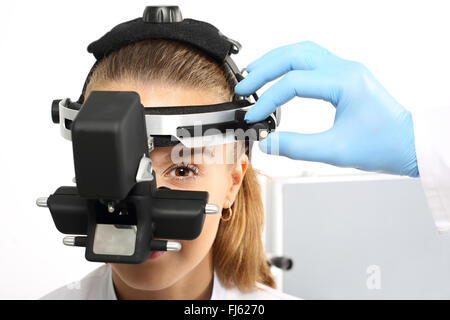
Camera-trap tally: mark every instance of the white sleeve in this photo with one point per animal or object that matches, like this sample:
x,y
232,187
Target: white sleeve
x,y
432,142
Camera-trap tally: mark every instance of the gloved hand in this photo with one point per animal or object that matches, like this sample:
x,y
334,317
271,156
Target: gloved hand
x,y
371,130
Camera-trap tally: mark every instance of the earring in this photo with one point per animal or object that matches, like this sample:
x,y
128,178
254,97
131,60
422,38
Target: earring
x,y
228,216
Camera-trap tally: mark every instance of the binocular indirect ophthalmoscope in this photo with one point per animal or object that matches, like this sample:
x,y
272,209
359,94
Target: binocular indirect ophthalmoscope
x,y
116,211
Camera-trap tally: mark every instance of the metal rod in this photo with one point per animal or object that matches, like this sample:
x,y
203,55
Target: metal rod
x,y
42,202
173,246
211,209
69,241
75,241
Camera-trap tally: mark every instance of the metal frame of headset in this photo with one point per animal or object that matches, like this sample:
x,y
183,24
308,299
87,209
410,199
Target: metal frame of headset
x,y
166,123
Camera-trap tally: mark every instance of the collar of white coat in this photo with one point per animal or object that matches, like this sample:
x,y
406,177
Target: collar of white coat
x,y
218,290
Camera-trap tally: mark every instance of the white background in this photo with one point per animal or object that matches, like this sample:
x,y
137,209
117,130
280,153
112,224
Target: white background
x,y
43,57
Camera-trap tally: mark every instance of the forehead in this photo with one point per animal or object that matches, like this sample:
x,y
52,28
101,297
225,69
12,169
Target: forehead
x,y
176,153
159,94
217,154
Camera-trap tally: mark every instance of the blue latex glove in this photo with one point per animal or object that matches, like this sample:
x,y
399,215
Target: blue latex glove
x,y
371,130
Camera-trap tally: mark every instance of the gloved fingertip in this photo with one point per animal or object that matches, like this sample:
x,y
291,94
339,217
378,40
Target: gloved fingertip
x,y
250,67
239,87
271,144
264,145
250,117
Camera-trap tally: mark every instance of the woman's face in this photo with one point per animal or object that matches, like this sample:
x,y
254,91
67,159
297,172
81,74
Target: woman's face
x,y
221,180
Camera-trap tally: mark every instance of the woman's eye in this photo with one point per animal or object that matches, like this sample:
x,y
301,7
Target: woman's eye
x,y
182,172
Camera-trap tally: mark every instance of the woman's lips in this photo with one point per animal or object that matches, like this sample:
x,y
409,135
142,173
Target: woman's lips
x,y
156,254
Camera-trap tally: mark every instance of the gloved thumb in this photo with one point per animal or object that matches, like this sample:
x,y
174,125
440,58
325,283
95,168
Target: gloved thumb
x,y
299,146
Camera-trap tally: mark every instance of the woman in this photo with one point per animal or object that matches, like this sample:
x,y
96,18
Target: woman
x,y
227,260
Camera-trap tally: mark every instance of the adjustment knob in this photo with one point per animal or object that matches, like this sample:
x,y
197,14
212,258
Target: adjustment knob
x,y
55,110
282,263
162,14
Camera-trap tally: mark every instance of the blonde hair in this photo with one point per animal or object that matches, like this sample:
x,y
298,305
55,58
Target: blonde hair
x,y
238,253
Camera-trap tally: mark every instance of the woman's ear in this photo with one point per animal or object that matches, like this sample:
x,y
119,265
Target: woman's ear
x,y
237,176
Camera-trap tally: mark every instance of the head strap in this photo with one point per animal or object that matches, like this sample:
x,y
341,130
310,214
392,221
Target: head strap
x,y
166,23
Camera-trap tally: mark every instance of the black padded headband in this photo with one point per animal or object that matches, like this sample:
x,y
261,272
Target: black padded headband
x,y
165,23
200,34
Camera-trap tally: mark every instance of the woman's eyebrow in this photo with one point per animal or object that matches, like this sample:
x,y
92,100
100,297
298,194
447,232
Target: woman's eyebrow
x,y
189,154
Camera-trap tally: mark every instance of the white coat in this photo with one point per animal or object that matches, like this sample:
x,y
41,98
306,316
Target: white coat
x,y
432,141
98,285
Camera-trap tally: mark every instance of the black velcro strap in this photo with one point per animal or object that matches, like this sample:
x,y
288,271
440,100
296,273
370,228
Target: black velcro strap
x,y
200,34
165,141
197,109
